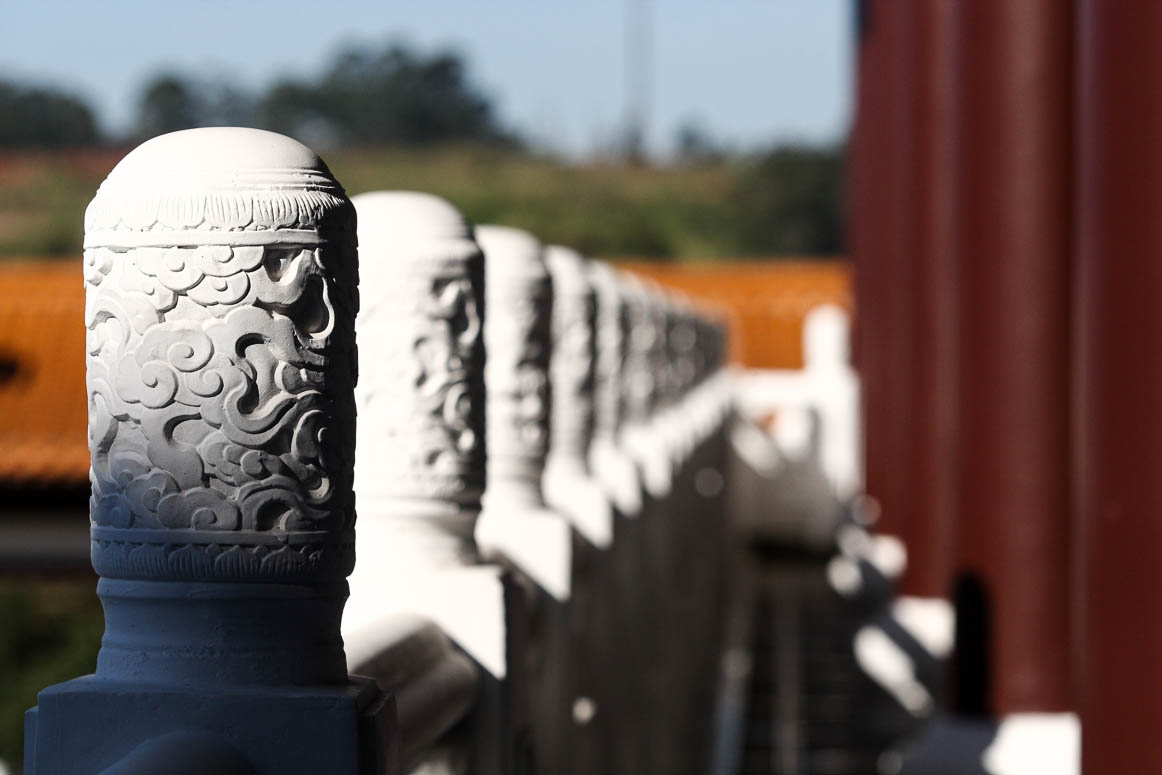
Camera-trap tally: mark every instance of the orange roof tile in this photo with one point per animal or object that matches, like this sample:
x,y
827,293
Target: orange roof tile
x,y
43,419
765,301
42,373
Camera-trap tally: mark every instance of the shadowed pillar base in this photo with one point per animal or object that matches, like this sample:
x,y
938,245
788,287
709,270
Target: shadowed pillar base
x,y
251,677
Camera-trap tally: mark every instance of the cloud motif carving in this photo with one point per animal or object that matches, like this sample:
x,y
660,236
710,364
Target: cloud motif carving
x,y
213,377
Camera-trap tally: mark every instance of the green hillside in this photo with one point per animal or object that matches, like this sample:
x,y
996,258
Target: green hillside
x,y
784,202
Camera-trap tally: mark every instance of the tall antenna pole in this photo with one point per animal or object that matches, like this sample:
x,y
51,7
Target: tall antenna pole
x,y
638,55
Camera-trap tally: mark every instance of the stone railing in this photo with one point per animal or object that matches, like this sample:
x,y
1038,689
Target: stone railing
x,y
540,463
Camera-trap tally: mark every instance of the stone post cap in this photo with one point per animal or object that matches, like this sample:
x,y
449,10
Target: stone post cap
x,y
518,253
212,186
826,337
404,222
220,274
421,392
570,272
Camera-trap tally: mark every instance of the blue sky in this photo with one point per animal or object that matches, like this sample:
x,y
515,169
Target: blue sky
x,y
749,71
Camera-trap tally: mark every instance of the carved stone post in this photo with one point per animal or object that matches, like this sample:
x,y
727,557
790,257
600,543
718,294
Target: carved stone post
x,y
515,522
660,603
568,483
622,594
220,270
643,382
682,344
517,337
420,469
702,571
711,398
571,488
666,418
614,469
421,466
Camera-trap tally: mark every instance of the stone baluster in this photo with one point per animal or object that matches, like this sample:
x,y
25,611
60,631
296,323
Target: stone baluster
x,y
623,595
420,474
658,603
711,397
516,523
615,470
835,387
703,523
571,488
681,343
421,465
568,483
517,336
638,377
656,456
220,272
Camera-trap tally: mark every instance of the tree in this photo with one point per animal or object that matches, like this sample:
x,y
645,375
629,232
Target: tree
x,y
390,95
170,102
32,117
790,201
695,145
299,110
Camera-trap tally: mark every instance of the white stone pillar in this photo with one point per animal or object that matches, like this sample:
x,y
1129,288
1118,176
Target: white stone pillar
x,y
420,470
616,471
421,466
568,483
220,270
645,381
711,398
517,332
677,427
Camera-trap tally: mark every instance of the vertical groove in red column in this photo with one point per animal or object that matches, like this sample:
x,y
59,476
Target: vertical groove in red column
x,y
883,292
932,466
1119,379
865,241
1013,228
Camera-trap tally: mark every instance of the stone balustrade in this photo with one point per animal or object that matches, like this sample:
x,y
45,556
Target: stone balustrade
x,y
538,460
220,271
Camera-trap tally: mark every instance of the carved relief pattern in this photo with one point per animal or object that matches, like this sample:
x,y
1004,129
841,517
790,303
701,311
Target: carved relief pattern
x,y
661,365
518,335
612,328
572,360
682,343
420,397
220,385
639,378
702,354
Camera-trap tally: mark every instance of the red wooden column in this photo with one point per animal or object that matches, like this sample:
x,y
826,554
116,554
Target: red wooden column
x,y
879,222
1118,465
1013,225
931,208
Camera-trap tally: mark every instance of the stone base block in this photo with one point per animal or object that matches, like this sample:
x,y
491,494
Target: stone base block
x,y
92,725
